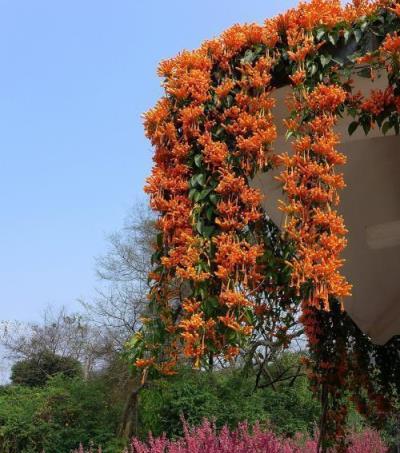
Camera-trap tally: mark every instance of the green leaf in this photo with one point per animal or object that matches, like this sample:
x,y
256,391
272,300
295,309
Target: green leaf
x,y
325,60
288,135
366,126
210,213
199,226
220,130
365,72
333,38
198,159
249,56
338,61
357,35
320,34
353,127
313,69
214,199
196,196
346,36
364,26
386,127
212,301
379,119
208,231
229,100
204,193
201,179
192,193
193,181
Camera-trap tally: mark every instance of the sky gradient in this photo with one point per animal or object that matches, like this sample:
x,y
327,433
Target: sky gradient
x,y
76,77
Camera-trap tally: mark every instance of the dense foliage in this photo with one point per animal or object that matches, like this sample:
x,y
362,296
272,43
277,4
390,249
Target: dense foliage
x,y
58,416
38,369
65,413
228,397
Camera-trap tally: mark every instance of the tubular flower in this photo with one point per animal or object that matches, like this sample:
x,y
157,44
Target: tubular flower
x,y
215,153
311,186
225,88
143,363
396,9
233,299
391,43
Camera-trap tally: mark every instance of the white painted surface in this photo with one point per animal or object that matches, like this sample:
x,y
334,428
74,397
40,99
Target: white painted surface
x,y
371,208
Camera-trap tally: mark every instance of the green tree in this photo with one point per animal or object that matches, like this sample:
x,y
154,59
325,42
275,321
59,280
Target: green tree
x,y
36,370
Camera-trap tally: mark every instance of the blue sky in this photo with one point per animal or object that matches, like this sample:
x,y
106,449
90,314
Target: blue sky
x,y
75,77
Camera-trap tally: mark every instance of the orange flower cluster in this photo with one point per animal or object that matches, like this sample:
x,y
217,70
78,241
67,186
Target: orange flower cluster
x,y
396,9
391,43
389,54
296,23
236,261
215,121
381,101
178,126
144,363
195,330
378,101
312,188
171,130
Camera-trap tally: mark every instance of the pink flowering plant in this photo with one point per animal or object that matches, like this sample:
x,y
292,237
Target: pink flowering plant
x,y
206,439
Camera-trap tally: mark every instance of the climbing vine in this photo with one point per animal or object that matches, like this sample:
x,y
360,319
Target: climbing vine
x,y
219,269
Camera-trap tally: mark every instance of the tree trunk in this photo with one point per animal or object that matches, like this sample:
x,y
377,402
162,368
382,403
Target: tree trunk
x,y
129,420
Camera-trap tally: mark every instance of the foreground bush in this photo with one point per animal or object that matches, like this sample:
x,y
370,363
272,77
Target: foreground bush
x,y
206,439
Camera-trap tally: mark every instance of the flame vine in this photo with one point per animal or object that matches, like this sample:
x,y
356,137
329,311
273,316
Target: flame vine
x,y
218,272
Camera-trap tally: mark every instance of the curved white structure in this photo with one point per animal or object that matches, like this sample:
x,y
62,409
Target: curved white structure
x,y
370,205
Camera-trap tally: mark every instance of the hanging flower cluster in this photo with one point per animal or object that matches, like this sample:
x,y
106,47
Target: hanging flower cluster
x,y
212,132
312,186
381,107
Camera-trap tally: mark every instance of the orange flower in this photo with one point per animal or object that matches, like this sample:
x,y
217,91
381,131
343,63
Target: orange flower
x,y
298,77
231,352
190,305
215,153
234,39
225,88
230,322
378,100
391,44
233,299
326,98
396,9
144,363
194,323
190,118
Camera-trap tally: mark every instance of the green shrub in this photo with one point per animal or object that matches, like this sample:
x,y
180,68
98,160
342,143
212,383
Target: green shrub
x,y
57,417
229,398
